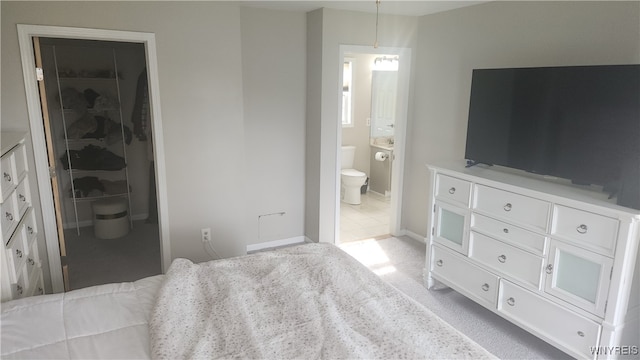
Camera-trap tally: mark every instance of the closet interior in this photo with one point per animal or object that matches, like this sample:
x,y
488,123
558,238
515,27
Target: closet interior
x,y
97,98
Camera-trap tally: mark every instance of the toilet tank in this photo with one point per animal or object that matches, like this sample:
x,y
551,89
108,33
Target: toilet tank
x,y
348,154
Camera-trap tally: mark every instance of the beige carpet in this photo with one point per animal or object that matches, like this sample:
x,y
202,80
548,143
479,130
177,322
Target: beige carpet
x,y
95,261
400,261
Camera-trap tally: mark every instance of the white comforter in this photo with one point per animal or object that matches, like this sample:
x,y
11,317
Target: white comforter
x,y
310,301
100,322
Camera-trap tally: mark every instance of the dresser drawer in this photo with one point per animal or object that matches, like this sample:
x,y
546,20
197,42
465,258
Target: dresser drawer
x,y
9,178
514,263
20,159
453,190
21,287
511,207
525,239
24,196
29,224
10,216
586,229
557,325
465,277
17,251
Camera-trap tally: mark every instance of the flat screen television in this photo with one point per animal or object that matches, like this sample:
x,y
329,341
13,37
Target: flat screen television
x,y
575,122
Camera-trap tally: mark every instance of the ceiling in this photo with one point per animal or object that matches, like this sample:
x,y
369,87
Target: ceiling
x,y
395,7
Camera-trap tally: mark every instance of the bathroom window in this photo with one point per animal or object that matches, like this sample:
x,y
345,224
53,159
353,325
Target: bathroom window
x,y
347,93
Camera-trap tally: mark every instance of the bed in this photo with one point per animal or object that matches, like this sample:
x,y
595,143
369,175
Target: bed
x,y
307,301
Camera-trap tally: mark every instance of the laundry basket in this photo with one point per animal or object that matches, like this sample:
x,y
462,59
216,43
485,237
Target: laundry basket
x,y
110,218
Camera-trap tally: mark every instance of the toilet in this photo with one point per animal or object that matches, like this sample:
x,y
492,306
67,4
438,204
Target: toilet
x,y
351,180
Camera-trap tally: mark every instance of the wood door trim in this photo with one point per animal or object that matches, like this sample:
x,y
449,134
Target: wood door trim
x,y
52,161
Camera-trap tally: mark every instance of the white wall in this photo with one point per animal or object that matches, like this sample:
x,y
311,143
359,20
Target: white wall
x,y
211,148
274,85
358,134
499,34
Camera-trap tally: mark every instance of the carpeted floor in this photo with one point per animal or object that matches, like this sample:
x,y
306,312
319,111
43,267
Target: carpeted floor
x,y
95,261
400,261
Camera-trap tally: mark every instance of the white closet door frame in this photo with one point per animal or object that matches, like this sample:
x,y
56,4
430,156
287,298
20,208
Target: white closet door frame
x,y
25,35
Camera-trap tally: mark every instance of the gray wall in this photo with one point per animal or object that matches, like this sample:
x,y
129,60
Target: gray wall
x,y
498,34
231,153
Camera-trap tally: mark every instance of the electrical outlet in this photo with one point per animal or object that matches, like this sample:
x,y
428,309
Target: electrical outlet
x,y
206,234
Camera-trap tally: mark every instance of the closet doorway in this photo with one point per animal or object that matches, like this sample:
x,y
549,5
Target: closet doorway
x,y
96,101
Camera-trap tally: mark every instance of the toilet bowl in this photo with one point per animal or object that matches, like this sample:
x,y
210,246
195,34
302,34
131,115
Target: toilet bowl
x,y
351,180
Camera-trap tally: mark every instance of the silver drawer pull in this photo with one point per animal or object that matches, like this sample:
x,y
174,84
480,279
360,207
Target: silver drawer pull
x,y
507,207
22,198
30,230
582,229
549,269
511,301
19,253
31,261
505,230
7,177
439,262
502,258
9,216
19,289
580,333
452,190
40,290
485,287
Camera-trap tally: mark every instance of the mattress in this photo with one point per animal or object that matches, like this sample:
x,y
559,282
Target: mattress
x,y
307,301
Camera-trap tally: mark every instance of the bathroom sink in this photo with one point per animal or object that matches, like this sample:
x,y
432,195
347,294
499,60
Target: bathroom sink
x,y
382,143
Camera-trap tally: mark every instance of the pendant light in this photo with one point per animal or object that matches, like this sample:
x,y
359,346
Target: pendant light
x,y
375,44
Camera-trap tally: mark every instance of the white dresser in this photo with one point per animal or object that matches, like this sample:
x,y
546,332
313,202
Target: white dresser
x,y
555,259
21,272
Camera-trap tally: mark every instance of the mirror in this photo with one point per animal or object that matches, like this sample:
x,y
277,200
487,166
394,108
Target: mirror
x,y
384,88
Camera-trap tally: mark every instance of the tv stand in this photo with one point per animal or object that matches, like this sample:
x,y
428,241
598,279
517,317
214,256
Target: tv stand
x,y
555,259
472,163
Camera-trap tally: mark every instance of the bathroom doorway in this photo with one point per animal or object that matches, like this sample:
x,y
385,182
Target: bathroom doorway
x,y
373,110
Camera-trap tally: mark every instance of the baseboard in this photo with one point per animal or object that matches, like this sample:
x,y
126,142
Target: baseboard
x,y
84,223
277,243
414,236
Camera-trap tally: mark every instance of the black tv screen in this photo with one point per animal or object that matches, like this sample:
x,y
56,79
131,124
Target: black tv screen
x,y
578,122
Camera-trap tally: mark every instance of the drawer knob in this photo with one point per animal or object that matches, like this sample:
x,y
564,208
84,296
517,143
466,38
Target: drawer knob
x,y
485,287
9,216
452,190
582,229
439,262
580,333
511,301
507,207
502,258
505,230
549,269
7,177
19,253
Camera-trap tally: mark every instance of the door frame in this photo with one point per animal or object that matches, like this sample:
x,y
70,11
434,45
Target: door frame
x,y
25,36
400,130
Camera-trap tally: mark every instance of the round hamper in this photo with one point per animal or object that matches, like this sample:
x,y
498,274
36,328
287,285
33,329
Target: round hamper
x,y
110,218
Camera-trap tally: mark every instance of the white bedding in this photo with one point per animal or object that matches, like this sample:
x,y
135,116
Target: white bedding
x,y
309,301
99,322
306,302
